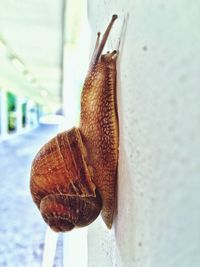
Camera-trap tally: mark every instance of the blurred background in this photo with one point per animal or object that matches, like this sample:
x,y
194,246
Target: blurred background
x,y
43,58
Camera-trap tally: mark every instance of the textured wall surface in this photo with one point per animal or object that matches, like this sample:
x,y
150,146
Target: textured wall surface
x,y
158,219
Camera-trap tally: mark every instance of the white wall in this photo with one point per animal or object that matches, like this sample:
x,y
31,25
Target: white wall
x,y
76,50
158,219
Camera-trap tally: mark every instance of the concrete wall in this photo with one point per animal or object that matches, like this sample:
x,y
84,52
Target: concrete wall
x,y
158,218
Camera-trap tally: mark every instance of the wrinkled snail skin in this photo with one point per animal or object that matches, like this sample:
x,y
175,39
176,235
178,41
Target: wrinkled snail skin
x,y
73,176
99,128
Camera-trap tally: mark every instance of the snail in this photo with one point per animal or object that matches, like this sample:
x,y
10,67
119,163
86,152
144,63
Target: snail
x,y
73,176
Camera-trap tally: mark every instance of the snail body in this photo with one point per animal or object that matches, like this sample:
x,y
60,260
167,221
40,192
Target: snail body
x,y
73,176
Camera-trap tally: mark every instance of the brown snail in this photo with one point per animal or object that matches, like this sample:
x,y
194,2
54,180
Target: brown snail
x,y
73,176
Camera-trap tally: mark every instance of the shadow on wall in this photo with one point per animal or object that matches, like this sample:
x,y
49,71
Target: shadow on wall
x,y
124,218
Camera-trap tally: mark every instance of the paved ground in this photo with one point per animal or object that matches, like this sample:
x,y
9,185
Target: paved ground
x,y
22,230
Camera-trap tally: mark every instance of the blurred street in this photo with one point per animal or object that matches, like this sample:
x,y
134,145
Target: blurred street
x,y
22,230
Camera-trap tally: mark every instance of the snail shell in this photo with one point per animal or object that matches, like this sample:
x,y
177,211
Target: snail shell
x,y
61,183
74,175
